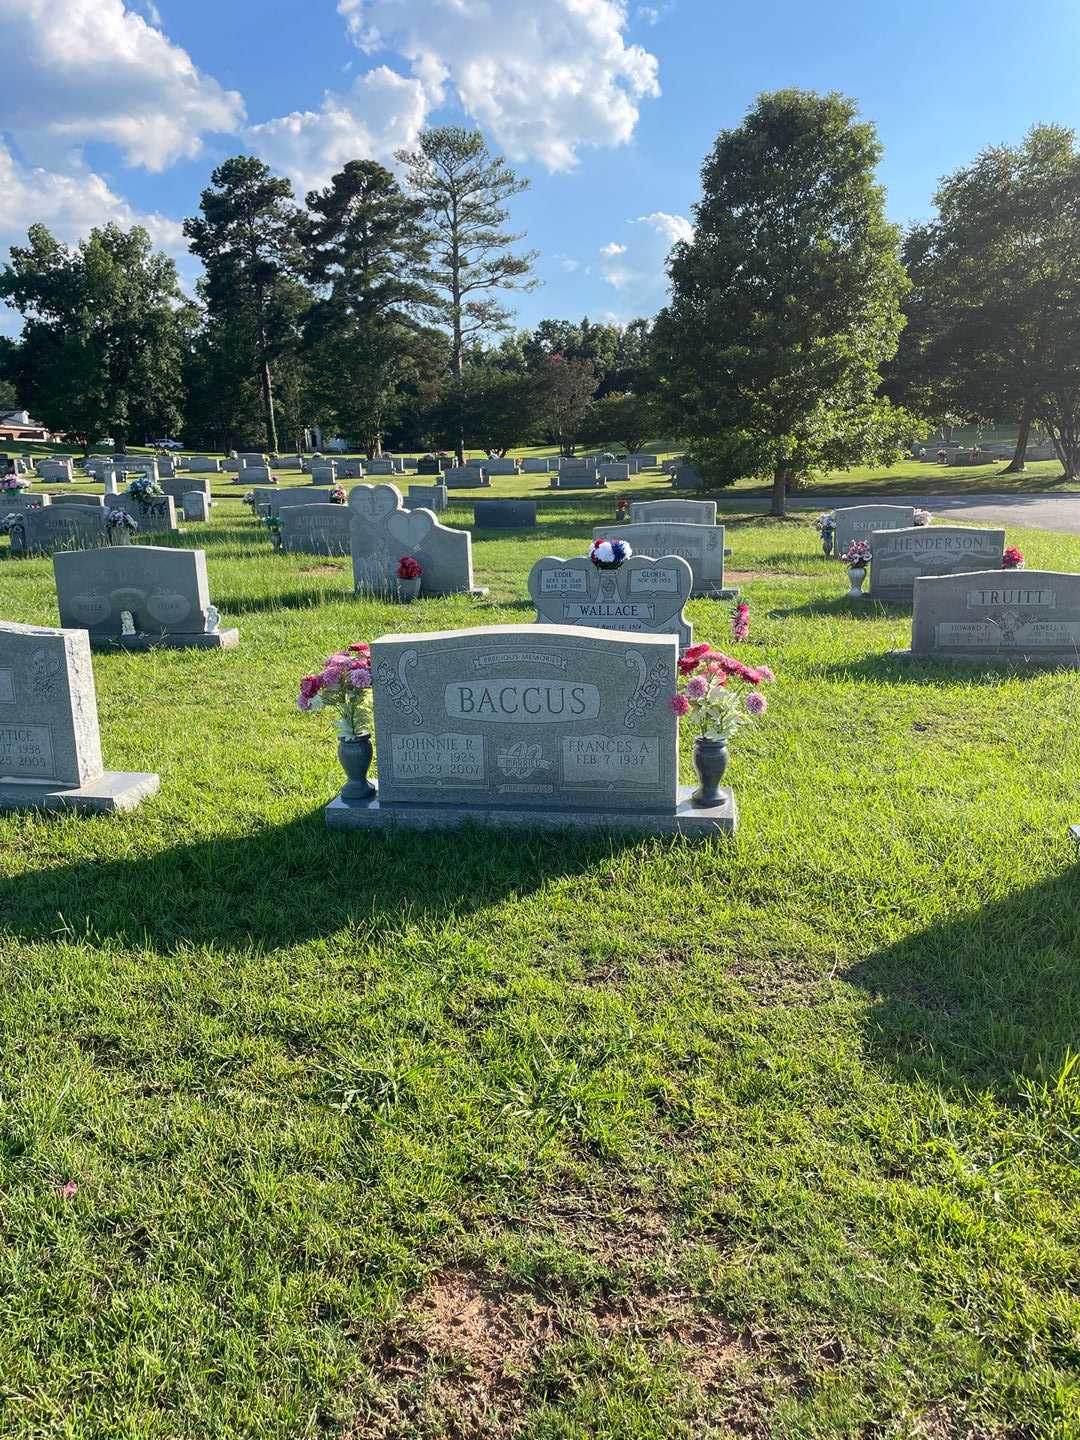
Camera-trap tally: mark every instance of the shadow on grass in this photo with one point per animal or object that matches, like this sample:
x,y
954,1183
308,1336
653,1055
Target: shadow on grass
x,y
840,606
239,604
894,669
288,884
982,999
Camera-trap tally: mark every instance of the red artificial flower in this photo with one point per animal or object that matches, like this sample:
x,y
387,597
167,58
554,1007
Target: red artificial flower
x,y
310,685
408,568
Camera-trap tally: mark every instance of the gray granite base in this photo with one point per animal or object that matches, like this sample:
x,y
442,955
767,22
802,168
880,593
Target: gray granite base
x,y
1018,660
686,819
117,790
215,640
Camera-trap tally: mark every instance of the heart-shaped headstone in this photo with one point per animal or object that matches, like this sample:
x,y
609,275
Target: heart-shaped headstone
x,y
375,502
410,527
642,594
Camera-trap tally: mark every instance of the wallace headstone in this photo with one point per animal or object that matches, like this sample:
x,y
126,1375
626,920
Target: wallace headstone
x,y
161,592
1027,617
383,531
858,522
528,727
701,546
50,746
642,595
901,556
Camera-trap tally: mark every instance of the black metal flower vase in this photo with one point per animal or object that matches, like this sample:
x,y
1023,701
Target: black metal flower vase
x,y
710,762
356,756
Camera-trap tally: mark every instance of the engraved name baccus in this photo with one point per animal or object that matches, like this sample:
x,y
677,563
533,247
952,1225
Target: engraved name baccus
x,y
530,702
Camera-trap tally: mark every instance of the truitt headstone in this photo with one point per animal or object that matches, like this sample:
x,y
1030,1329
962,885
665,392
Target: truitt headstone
x,y
642,595
162,591
1028,617
50,745
528,728
901,556
858,522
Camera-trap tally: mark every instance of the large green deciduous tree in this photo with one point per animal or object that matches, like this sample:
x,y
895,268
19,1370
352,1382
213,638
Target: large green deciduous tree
x,y
104,332
786,302
366,252
246,237
992,326
464,189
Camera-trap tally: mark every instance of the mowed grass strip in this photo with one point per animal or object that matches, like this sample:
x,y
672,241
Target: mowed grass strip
x,y
419,1135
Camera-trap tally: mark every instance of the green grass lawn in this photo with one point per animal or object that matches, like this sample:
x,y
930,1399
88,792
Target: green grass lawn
x,y
454,1136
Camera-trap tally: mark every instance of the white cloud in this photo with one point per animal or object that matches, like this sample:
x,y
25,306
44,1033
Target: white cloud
x,y
71,206
85,70
652,14
381,112
636,269
543,80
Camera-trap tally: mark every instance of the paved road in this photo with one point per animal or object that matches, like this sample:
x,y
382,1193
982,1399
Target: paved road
x,y
1040,512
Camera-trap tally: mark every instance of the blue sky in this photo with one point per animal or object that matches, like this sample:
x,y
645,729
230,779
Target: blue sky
x,y
120,111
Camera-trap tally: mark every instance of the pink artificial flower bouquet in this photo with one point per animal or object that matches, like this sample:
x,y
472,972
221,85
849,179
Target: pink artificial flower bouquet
x,y
718,692
344,683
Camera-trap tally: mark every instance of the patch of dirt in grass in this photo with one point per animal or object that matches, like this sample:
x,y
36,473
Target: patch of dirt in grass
x,y
322,569
613,1233
736,577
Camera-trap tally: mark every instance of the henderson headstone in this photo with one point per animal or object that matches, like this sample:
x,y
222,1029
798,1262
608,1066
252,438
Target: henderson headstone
x,y
50,746
900,556
180,485
642,595
430,497
858,522
688,512
1027,617
701,546
383,531
542,727
504,514
163,590
316,529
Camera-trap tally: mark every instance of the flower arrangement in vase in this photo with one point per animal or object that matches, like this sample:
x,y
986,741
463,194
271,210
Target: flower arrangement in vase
x,y
609,555
718,694
339,495
1012,559
344,684
120,525
826,528
857,557
249,500
409,575
144,489
622,508
14,483
273,525
921,517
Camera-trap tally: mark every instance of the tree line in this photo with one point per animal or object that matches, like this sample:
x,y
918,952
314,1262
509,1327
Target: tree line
x,y
804,332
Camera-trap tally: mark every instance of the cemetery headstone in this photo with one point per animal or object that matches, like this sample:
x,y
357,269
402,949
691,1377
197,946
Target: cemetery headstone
x,y
1026,617
646,461
195,505
537,464
643,594
202,464
577,480
686,477
859,522
162,591
252,457
255,474
323,472
350,469
274,502
499,465
504,514
55,471
154,516
701,546
181,485
687,512
430,497
381,465
433,464
538,727
900,556
98,500
321,529
15,504
50,745
383,531
58,527
466,477
616,470
286,462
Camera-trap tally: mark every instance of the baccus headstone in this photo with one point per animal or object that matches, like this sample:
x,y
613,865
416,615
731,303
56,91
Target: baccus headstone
x,y
642,595
900,556
50,745
162,591
528,727
858,522
383,531
1027,617
701,546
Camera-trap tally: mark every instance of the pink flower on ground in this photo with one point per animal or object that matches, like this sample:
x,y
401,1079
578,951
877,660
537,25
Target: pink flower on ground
x,y
756,703
697,688
680,705
67,1192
